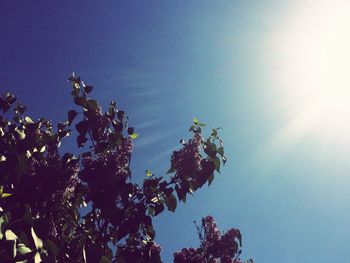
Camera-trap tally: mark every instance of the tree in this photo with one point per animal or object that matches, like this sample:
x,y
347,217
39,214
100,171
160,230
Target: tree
x,y
43,189
215,247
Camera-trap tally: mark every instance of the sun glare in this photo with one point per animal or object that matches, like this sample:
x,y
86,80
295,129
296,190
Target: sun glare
x,y
313,67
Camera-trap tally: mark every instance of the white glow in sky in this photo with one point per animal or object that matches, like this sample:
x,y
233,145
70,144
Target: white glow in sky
x,y
313,68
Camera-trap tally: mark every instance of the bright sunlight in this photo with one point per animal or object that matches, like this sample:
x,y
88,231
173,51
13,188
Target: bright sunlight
x,y
313,65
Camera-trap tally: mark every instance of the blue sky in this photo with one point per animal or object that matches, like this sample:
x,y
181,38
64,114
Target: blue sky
x,y
285,185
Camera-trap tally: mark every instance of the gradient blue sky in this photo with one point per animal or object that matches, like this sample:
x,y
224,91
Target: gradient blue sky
x,y
165,62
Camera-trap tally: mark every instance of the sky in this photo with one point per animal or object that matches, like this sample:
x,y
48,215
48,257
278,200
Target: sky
x,y
273,74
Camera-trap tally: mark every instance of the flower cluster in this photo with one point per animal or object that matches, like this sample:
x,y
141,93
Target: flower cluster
x,y
187,161
216,247
189,255
110,165
98,123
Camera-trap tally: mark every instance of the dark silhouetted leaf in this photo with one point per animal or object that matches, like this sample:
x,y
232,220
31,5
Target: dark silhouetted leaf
x,y
171,202
130,130
82,127
81,140
87,89
71,116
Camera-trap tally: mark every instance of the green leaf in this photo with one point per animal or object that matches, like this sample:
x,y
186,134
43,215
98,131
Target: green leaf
x,y
37,257
201,124
195,121
21,134
28,120
171,202
104,259
134,136
71,115
22,249
1,189
2,221
37,241
149,173
9,235
4,195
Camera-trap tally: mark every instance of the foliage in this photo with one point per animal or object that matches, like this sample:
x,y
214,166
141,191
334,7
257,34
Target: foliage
x,y
42,190
215,247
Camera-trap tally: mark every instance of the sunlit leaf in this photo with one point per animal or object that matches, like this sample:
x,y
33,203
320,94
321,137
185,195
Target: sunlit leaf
x,y
37,241
28,120
22,249
134,136
37,257
9,235
4,195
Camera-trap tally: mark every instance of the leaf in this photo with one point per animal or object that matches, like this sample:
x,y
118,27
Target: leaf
x,y
171,170
9,235
22,249
224,159
82,127
84,254
37,257
210,179
51,246
221,151
28,120
21,134
81,140
2,221
120,115
4,195
92,104
149,173
22,164
104,259
87,89
158,209
217,164
134,136
171,202
130,130
195,121
37,241
4,105
10,98
201,124
71,115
